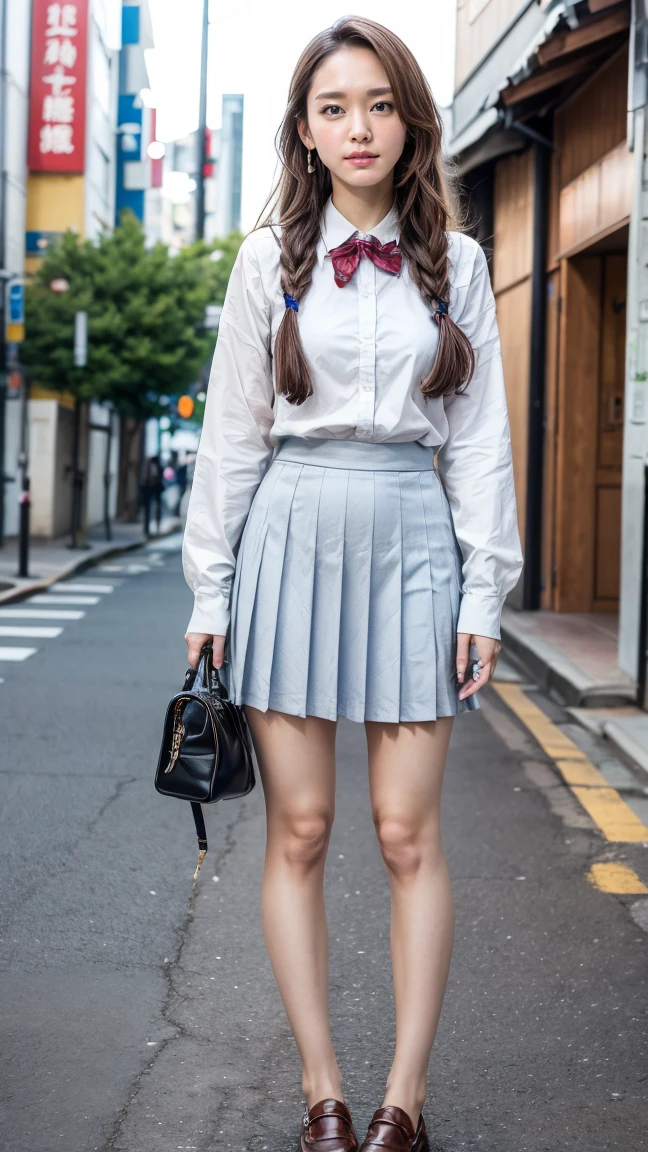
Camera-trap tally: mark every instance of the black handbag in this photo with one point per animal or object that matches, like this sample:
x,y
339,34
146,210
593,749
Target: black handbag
x,y
206,752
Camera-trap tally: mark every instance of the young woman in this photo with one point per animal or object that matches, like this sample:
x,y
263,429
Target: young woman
x,y
334,571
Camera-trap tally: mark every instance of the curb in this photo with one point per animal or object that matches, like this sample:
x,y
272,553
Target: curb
x,y
557,673
81,564
624,743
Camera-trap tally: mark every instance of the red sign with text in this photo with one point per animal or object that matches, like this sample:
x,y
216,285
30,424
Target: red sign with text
x,y
59,61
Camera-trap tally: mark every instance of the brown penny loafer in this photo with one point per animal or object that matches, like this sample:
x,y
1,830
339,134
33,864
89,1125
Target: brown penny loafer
x,y
391,1131
328,1127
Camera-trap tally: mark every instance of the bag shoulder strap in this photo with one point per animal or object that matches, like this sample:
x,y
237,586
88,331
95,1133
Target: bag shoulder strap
x,y
201,833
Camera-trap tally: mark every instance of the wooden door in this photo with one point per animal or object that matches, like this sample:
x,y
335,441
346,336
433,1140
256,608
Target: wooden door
x,y
609,454
576,432
589,433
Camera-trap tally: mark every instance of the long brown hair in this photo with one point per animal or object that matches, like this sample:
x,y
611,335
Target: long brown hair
x,y
422,201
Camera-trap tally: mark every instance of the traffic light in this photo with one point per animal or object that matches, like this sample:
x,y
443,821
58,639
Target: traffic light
x,y
185,407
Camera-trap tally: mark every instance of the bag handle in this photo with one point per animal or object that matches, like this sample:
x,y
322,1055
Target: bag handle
x,y
204,677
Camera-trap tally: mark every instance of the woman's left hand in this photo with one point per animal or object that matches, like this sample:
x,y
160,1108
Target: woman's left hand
x,y
488,649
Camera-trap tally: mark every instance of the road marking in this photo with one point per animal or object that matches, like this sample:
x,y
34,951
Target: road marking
x,y
613,817
26,613
100,589
16,654
34,633
129,569
608,876
45,598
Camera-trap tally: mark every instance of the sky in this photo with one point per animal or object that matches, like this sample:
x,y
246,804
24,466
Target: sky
x,y
253,48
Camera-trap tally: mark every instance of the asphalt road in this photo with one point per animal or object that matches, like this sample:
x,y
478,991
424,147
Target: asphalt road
x,y
137,1018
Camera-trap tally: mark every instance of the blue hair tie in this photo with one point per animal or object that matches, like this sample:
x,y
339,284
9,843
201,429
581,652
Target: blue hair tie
x,y
291,302
442,308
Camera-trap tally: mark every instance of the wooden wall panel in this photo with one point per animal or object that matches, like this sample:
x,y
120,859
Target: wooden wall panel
x,y
593,121
513,220
596,202
578,390
479,24
514,322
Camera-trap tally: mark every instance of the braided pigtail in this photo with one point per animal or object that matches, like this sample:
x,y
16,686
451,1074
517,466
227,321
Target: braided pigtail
x,y
298,254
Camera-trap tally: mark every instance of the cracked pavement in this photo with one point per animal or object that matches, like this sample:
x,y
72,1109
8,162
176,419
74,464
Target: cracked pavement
x,y
140,1017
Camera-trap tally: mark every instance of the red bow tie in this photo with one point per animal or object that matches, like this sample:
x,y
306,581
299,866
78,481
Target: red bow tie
x,y
346,257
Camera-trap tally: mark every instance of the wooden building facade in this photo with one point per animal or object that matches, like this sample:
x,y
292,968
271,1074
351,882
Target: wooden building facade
x,y
541,146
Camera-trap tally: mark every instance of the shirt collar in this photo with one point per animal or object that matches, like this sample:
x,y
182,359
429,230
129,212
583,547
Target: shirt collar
x,y
336,229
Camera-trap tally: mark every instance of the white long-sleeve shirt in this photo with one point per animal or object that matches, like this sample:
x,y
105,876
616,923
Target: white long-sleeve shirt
x,y
368,344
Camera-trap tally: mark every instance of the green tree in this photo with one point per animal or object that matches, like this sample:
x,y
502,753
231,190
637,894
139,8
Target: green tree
x,y
145,316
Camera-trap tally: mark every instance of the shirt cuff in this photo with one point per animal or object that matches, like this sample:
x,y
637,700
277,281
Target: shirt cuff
x,y
480,614
211,615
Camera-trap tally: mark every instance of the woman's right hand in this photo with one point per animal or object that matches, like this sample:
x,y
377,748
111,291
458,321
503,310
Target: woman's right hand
x,y
195,641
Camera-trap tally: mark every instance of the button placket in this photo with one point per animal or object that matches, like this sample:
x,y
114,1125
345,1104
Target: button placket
x,y
367,346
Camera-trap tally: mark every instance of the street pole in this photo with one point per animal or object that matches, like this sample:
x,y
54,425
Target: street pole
x,y
106,478
23,464
80,361
202,125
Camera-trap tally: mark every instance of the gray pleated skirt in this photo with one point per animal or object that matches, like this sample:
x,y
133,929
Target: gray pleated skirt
x,y
347,586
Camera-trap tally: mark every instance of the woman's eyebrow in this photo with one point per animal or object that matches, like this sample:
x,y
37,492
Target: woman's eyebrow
x,y
341,95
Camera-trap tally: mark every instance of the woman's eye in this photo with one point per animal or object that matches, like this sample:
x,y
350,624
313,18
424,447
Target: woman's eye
x,y
334,108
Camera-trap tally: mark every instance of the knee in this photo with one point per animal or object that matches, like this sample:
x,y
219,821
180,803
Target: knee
x,y
403,844
305,839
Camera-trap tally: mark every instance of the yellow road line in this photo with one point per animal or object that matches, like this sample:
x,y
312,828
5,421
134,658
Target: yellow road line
x,y
609,876
614,818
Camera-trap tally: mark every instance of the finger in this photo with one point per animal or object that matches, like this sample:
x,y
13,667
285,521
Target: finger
x,y
193,653
463,648
218,651
471,686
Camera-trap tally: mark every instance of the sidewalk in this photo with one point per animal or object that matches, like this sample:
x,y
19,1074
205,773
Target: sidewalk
x,y
573,657
53,560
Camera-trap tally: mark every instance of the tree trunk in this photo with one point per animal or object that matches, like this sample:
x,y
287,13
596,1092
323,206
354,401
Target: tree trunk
x,y
130,452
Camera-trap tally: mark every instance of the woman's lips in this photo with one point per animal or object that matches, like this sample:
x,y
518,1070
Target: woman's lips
x,y
361,161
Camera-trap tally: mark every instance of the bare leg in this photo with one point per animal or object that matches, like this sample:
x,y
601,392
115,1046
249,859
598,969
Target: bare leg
x,y
406,765
296,758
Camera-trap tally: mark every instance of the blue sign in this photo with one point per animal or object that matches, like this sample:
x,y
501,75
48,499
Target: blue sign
x,y
16,303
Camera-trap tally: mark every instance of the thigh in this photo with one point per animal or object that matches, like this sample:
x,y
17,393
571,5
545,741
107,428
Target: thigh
x,y
296,758
406,767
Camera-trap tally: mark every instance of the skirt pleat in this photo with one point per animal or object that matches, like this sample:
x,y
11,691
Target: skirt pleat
x,y
383,676
288,683
327,593
347,587
353,635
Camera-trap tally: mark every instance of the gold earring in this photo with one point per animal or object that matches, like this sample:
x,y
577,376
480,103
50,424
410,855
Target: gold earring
x,y
311,167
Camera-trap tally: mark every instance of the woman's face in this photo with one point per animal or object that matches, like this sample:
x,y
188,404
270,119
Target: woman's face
x,y
350,109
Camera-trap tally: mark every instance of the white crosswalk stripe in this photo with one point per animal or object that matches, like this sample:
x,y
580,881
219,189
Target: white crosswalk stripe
x,y
27,613
99,589
33,633
127,569
16,654
46,598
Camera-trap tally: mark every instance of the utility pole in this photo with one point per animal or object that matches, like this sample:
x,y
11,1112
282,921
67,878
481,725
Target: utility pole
x,y
202,125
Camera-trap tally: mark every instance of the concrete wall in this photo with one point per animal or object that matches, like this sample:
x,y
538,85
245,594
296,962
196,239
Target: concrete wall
x,y
97,444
